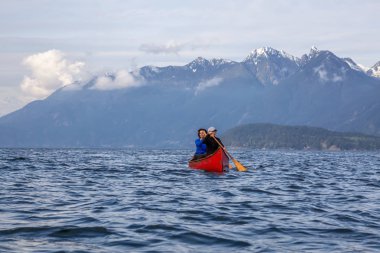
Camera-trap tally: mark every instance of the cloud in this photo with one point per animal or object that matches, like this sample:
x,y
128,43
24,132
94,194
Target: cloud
x,y
168,48
121,79
207,84
324,77
172,47
50,71
322,73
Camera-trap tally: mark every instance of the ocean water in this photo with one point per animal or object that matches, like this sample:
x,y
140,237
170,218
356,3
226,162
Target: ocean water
x,y
115,200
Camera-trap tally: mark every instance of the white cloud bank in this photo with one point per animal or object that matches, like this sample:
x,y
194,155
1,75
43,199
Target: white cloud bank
x,y
207,84
121,79
50,71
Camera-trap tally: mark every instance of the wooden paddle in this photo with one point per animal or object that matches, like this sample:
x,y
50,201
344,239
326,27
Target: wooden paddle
x,y
238,165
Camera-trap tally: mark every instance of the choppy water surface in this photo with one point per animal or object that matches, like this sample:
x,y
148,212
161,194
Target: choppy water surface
x,y
149,201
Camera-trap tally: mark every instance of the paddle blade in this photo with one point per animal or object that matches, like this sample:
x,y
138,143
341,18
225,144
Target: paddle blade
x,y
239,166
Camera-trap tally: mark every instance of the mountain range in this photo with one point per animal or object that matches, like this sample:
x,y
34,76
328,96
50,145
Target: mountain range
x,y
164,106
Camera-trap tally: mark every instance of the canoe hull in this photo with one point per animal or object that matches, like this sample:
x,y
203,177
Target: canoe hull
x,y
215,162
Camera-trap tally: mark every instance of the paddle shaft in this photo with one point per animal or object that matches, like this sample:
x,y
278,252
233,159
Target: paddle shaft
x,y
224,149
238,165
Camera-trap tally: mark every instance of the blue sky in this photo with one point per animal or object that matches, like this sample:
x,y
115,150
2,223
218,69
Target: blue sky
x,y
95,36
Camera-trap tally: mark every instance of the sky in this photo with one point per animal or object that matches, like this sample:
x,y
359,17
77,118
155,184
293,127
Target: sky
x,y
47,44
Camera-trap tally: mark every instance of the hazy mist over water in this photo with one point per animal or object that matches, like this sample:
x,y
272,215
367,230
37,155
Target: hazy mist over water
x,y
118,200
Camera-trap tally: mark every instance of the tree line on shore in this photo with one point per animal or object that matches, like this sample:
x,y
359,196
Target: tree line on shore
x,y
271,136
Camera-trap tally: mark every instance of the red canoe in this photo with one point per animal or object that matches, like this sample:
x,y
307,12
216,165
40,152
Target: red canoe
x,y
215,162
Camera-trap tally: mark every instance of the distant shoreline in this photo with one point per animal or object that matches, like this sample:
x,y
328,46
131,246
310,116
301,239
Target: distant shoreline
x,y
279,137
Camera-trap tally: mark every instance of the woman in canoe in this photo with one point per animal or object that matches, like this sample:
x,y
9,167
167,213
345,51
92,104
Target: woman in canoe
x,y
201,150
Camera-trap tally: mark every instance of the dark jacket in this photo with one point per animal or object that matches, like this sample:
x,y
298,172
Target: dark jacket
x,y
211,144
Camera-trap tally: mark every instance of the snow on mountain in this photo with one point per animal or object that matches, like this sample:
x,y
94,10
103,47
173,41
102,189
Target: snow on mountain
x,y
314,51
202,64
199,62
271,66
327,67
321,89
268,52
355,66
220,61
374,70
268,65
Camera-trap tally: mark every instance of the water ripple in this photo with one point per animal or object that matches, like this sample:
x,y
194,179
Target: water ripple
x,y
111,200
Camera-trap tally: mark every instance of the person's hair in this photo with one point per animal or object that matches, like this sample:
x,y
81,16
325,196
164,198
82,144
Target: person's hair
x,y
199,131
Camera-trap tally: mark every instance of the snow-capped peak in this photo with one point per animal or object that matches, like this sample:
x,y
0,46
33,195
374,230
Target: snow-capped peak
x,y
374,70
220,61
377,65
314,48
262,52
204,63
354,65
266,52
313,51
200,60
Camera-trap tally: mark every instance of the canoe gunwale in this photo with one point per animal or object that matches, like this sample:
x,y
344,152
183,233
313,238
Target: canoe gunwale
x,y
203,158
